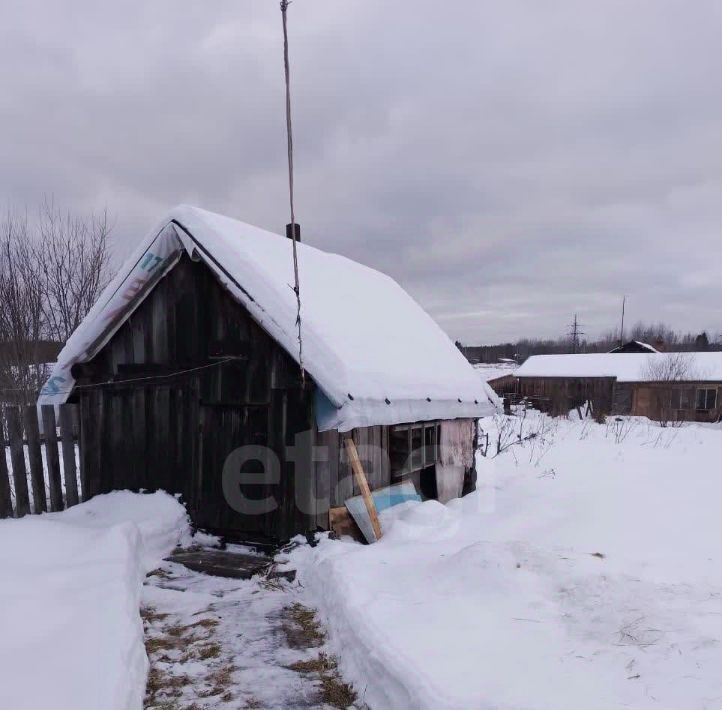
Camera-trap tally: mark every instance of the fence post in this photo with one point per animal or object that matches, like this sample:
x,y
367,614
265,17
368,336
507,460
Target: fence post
x,y
68,441
51,456
35,457
6,504
17,458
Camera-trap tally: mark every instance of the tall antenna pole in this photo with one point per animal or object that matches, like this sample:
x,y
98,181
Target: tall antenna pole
x,y
575,332
289,133
621,329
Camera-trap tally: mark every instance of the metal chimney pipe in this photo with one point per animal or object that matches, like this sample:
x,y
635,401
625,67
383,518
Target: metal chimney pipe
x,y
289,233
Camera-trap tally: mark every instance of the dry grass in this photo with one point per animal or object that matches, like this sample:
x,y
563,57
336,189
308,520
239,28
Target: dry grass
x,y
165,687
151,616
301,627
207,651
334,691
204,624
303,631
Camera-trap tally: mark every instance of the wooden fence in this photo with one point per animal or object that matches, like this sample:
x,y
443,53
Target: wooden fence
x,y
38,469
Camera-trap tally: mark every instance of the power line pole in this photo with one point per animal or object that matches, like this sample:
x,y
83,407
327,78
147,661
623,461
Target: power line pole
x,y
575,332
621,329
293,227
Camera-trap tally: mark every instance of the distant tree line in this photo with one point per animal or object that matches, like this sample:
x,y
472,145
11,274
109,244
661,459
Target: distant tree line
x,y
658,335
52,269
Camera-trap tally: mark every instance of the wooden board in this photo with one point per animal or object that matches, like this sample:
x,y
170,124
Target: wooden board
x,y
67,424
220,563
51,457
35,458
363,485
341,523
6,506
17,459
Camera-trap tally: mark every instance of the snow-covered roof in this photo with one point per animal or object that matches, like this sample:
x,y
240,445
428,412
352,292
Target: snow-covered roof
x,y
490,371
632,367
376,355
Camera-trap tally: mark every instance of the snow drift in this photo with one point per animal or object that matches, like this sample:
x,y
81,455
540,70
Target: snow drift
x,y
584,573
71,635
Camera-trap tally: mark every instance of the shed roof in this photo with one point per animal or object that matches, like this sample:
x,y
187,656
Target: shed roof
x,y
633,346
375,354
633,367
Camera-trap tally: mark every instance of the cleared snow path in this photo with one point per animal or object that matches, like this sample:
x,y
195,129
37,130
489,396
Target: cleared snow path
x,y
225,643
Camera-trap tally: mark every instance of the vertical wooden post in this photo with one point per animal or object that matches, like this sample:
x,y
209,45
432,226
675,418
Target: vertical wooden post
x,y
363,485
35,457
69,466
6,504
52,458
17,459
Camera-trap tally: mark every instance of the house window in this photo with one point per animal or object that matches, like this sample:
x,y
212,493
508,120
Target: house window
x,y
413,447
706,399
682,398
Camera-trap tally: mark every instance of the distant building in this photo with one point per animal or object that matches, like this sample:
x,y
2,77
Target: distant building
x,y
634,346
661,386
499,376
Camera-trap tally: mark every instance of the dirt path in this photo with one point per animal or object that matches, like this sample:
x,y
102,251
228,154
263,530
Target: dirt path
x,y
224,643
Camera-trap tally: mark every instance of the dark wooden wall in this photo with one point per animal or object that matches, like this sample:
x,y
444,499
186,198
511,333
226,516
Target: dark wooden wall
x,y
653,400
174,429
557,395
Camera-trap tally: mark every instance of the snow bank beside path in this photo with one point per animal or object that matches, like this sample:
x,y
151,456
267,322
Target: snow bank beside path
x,y
161,520
71,637
593,582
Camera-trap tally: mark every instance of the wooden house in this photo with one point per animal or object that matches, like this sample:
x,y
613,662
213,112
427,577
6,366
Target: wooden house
x,y
662,386
188,379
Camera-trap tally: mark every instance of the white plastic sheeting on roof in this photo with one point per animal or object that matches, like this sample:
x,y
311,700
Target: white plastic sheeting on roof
x,y
375,354
628,367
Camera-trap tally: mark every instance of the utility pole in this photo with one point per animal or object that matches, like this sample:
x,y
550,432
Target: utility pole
x,y
621,329
575,332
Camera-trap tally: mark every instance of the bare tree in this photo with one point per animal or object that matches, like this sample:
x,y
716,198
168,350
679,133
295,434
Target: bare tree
x,y
51,272
671,367
73,256
22,312
668,372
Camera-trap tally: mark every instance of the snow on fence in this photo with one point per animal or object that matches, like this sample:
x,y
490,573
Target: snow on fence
x,y
38,463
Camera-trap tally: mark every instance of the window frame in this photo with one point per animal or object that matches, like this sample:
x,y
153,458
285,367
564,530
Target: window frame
x,y
415,459
705,407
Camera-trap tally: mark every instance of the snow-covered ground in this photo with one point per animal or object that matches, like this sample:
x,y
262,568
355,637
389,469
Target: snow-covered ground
x,y
584,573
71,636
224,644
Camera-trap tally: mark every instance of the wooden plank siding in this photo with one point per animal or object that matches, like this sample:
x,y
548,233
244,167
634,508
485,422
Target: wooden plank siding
x,y
214,381
557,395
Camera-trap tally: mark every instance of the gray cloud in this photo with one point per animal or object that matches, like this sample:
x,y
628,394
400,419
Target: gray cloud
x,y
509,163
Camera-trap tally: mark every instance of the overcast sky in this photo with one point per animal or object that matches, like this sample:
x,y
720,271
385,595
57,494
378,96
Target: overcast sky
x,y
509,163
